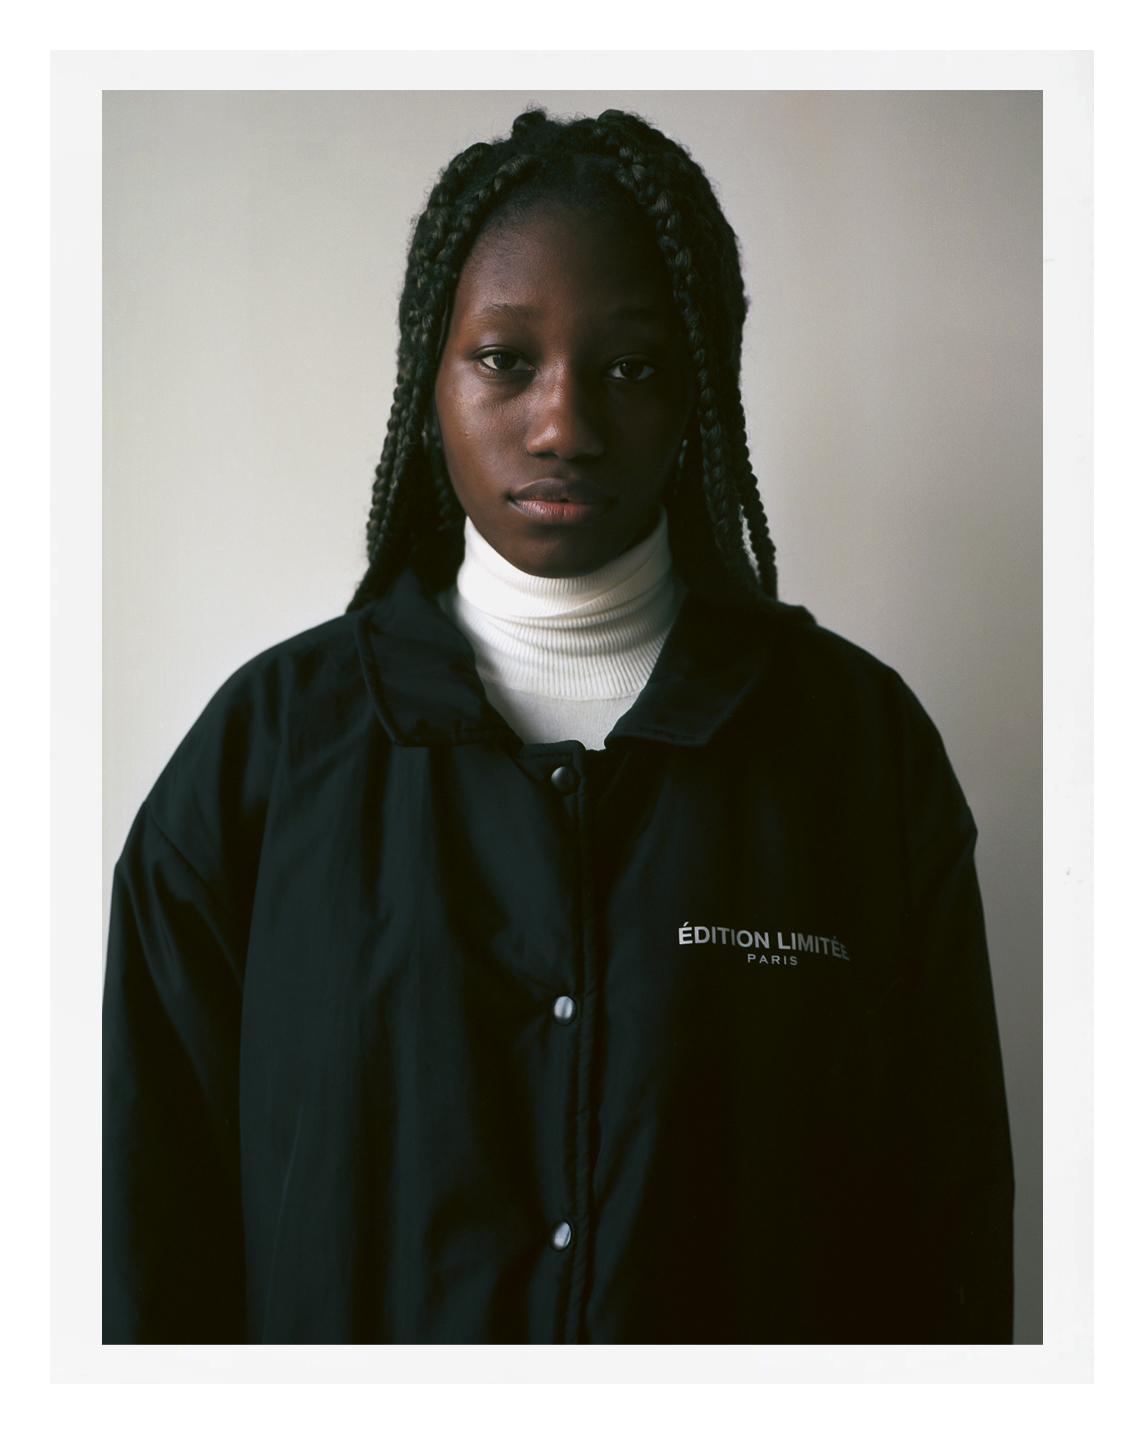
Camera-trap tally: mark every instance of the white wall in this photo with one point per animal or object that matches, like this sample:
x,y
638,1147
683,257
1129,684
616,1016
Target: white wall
x,y
253,252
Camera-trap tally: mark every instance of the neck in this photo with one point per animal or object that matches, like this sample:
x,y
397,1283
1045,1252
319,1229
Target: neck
x,y
565,644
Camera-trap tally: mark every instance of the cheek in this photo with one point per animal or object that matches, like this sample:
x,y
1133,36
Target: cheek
x,y
467,431
470,451
444,408
664,430
452,428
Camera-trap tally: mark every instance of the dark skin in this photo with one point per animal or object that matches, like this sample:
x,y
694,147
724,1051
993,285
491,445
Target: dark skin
x,y
564,388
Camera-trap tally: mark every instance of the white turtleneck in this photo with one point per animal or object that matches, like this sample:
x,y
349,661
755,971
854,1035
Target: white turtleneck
x,y
565,658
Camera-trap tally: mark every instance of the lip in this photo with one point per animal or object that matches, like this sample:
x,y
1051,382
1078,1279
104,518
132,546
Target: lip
x,y
561,501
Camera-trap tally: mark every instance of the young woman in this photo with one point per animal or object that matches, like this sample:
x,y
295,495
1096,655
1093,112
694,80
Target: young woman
x,y
571,942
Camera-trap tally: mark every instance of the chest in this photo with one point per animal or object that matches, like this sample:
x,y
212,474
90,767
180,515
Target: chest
x,y
681,889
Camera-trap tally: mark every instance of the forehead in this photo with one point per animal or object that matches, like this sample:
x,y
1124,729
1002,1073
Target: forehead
x,y
566,254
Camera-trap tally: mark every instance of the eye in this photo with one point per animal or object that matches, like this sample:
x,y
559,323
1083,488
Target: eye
x,y
632,369
502,361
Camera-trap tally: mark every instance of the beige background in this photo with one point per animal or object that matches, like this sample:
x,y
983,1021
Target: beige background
x,y
253,251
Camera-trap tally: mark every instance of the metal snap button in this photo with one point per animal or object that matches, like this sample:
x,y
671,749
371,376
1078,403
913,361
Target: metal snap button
x,y
564,1009
565,780
561,1237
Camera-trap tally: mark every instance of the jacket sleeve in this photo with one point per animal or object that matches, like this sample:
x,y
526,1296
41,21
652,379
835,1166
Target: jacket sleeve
x,y
172,1217
958,1182
173,1264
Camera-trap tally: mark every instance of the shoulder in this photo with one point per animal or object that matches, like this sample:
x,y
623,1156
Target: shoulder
x,y
302,665
823,699
784,643
295,697
293,682
831,667
866,715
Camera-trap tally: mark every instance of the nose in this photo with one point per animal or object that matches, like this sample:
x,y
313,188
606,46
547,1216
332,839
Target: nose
x,y
564,421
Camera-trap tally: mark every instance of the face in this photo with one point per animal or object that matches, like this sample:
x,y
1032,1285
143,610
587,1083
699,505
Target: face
x,y
563,390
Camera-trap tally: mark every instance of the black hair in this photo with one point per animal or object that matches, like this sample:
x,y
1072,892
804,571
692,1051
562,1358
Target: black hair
x,y
615,163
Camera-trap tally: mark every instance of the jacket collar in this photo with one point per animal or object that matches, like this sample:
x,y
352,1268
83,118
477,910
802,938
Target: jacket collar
x,y
712,660
423,679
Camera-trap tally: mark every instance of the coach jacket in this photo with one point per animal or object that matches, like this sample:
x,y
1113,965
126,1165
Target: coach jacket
x,y
415,1033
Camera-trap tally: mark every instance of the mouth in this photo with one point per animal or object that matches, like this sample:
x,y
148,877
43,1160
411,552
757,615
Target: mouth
x,y
561,500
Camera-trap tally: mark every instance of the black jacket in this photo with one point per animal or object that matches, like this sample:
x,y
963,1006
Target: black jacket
x,y
341,1107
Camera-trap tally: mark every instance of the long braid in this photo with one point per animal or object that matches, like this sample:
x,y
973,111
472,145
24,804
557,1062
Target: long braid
x,y
413,504
728,482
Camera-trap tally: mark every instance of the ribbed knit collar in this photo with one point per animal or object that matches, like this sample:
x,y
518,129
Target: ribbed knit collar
x,y
581,638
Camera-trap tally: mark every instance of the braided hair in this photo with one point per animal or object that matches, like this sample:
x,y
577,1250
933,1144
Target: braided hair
x,y
718,530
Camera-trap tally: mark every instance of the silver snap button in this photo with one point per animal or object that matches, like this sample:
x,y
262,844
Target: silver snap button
x,y
564,1009
565,780
561,1237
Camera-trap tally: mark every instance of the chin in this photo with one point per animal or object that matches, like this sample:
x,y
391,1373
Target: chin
x,y
561,555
